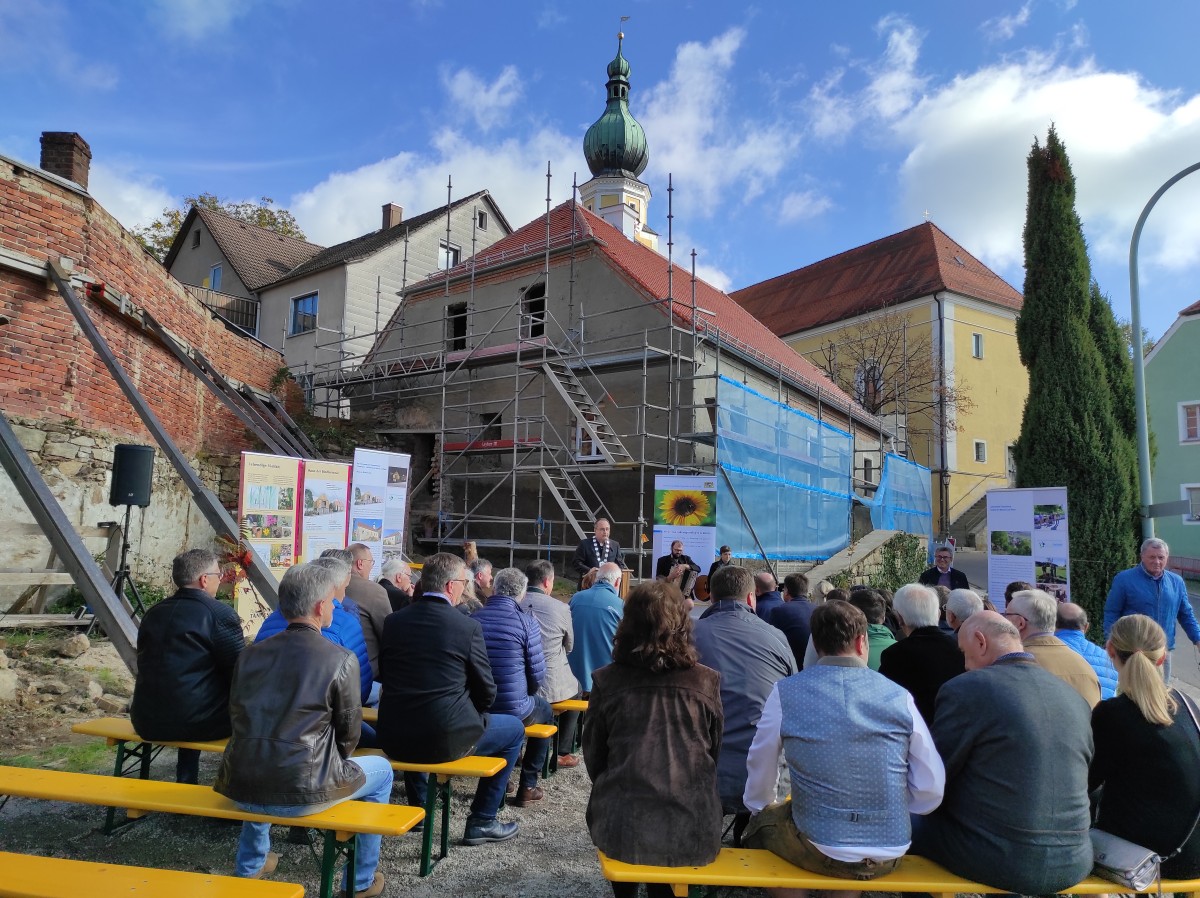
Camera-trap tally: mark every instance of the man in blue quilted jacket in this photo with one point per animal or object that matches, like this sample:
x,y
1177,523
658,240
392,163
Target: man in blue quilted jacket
x,y
1071,627
514,645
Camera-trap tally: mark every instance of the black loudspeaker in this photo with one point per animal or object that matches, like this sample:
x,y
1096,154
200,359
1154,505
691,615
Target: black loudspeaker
x,y
132,474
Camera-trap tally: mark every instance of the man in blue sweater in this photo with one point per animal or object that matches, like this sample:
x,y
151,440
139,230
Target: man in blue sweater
x,y
1150,589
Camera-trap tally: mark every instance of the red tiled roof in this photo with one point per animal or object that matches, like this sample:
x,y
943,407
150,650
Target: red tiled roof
x,y
914,263
1193,309
646,270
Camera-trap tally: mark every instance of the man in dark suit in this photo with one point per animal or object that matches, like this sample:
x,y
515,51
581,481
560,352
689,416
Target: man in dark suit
x,y
1016,742
943,573
437,686
596,550
926,657
793,616
766,595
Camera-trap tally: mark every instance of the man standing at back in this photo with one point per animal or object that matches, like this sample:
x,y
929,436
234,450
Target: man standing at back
x,y
1149,588
1017,742
595,613
1033,613
751,656
372,599
943,573
437,687
793,616
597,550
187,647
859,755
925,658
558,638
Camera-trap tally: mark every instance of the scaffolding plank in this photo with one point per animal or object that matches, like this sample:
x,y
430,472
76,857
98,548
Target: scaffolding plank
x,y
218,518
272,406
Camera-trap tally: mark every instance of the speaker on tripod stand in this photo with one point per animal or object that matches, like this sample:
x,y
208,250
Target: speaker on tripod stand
x,y
132,478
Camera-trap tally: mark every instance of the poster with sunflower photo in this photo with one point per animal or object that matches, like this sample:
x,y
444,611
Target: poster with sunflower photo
x,y
685,509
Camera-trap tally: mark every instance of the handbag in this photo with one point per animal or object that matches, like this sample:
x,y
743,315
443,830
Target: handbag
x,y
1127,863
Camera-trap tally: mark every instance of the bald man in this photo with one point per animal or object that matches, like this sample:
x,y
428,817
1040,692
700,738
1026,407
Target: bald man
x,y
1016,741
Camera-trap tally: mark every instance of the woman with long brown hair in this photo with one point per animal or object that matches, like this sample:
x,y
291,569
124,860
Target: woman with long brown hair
x,y
1147,760
651,741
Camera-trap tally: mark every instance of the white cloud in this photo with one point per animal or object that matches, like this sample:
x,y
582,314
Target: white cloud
x,y
194,20
803,204
346,204
34,39
968,142
133,199
487,104
714,155
894,80
550,17
1001,28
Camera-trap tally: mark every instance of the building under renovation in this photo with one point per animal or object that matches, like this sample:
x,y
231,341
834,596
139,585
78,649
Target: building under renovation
x,y
549,378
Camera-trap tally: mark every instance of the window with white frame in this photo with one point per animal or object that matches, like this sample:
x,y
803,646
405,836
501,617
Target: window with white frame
x,y
214,278
1189,422
980,451
977,345
1191,492
304,314
448,255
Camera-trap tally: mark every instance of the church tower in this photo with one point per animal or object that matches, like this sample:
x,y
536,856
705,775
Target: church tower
x,y
616,152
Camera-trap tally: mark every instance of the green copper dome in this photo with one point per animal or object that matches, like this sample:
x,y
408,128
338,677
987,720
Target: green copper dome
x,y
616,143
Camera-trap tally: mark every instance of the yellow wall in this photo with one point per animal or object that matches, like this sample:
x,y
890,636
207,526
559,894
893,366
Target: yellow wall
x,y
997,384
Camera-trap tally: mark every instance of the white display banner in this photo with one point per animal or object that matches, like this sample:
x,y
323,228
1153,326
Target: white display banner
x,y
378,500
1029,540
685,509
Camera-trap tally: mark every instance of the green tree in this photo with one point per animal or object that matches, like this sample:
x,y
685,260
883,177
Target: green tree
x,y
158,236
1126,328
1070,435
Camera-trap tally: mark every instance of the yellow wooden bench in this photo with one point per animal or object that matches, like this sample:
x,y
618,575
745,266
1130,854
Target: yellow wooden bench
x,y
31,876
756,868
340,823
119,731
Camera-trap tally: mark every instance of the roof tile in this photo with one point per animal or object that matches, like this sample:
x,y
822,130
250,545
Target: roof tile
x,y
258,255
917,262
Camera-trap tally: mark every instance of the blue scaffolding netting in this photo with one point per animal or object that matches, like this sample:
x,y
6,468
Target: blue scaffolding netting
x,y
791,475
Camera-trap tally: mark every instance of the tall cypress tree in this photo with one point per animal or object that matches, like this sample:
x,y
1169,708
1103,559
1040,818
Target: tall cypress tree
x,y
1070,435
1118,369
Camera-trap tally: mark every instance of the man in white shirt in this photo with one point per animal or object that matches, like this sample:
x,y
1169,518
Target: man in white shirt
x,y
859,756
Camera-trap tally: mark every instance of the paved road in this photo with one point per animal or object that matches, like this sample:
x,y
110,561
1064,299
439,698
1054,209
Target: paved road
x,y
973,563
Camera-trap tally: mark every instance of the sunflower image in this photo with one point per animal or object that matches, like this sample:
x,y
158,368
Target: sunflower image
x,y
683,508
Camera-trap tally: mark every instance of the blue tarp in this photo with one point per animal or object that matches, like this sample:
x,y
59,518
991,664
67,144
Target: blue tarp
x,y
904,500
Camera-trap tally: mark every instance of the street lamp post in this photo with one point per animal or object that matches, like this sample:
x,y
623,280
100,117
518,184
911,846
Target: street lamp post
x,y
1139,366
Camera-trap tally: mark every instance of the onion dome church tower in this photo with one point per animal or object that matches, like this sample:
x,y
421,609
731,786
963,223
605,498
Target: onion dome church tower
x,y
616,152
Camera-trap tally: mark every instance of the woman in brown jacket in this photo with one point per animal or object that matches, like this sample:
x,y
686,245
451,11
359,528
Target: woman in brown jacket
x,y
653,733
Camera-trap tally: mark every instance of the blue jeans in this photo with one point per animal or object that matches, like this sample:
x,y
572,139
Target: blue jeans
x,y
502,738
256,837
535,752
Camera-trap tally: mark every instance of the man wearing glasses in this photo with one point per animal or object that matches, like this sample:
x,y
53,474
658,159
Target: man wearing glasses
x,y
187,647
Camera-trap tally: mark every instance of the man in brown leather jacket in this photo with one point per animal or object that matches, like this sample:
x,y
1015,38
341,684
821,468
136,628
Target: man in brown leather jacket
x,y
296,715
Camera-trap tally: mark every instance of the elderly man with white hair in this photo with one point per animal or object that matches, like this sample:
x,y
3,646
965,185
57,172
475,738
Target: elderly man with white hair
x,y
960,605
397,580
595,613
1034,613
1149,588
926,657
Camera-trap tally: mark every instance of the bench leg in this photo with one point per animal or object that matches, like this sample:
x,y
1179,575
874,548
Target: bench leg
x,y
130,758
436,792
444,788
334,851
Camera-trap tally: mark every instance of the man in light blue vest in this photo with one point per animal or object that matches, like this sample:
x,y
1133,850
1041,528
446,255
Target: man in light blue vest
x,y
859,756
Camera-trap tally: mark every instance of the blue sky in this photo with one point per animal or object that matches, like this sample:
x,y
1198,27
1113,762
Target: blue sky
x,y
793,130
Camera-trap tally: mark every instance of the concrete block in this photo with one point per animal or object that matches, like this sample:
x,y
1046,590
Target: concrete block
x,y
32,440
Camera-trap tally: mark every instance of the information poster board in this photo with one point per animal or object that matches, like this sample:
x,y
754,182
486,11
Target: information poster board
x,y
326,497
1028,539
378,502
685,509
268,512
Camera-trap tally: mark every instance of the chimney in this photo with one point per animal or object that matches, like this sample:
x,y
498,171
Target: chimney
x,y
392,215
66,154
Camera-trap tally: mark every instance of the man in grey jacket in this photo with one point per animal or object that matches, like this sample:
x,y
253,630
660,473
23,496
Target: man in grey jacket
x,y
296,714
558,637
751,656
1016,741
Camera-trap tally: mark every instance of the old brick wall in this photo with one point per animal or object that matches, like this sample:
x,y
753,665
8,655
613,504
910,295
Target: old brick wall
x,y
50,375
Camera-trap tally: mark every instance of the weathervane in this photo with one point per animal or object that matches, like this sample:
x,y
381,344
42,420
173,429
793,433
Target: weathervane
x,y
927,214
621,33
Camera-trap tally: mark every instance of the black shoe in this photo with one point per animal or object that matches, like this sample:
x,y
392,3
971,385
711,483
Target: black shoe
x,y
481,831
298,835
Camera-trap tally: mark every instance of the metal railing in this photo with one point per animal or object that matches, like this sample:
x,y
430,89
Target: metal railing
x,y
237,310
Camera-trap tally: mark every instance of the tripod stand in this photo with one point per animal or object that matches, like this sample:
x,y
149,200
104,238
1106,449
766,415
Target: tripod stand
x,y
123,579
